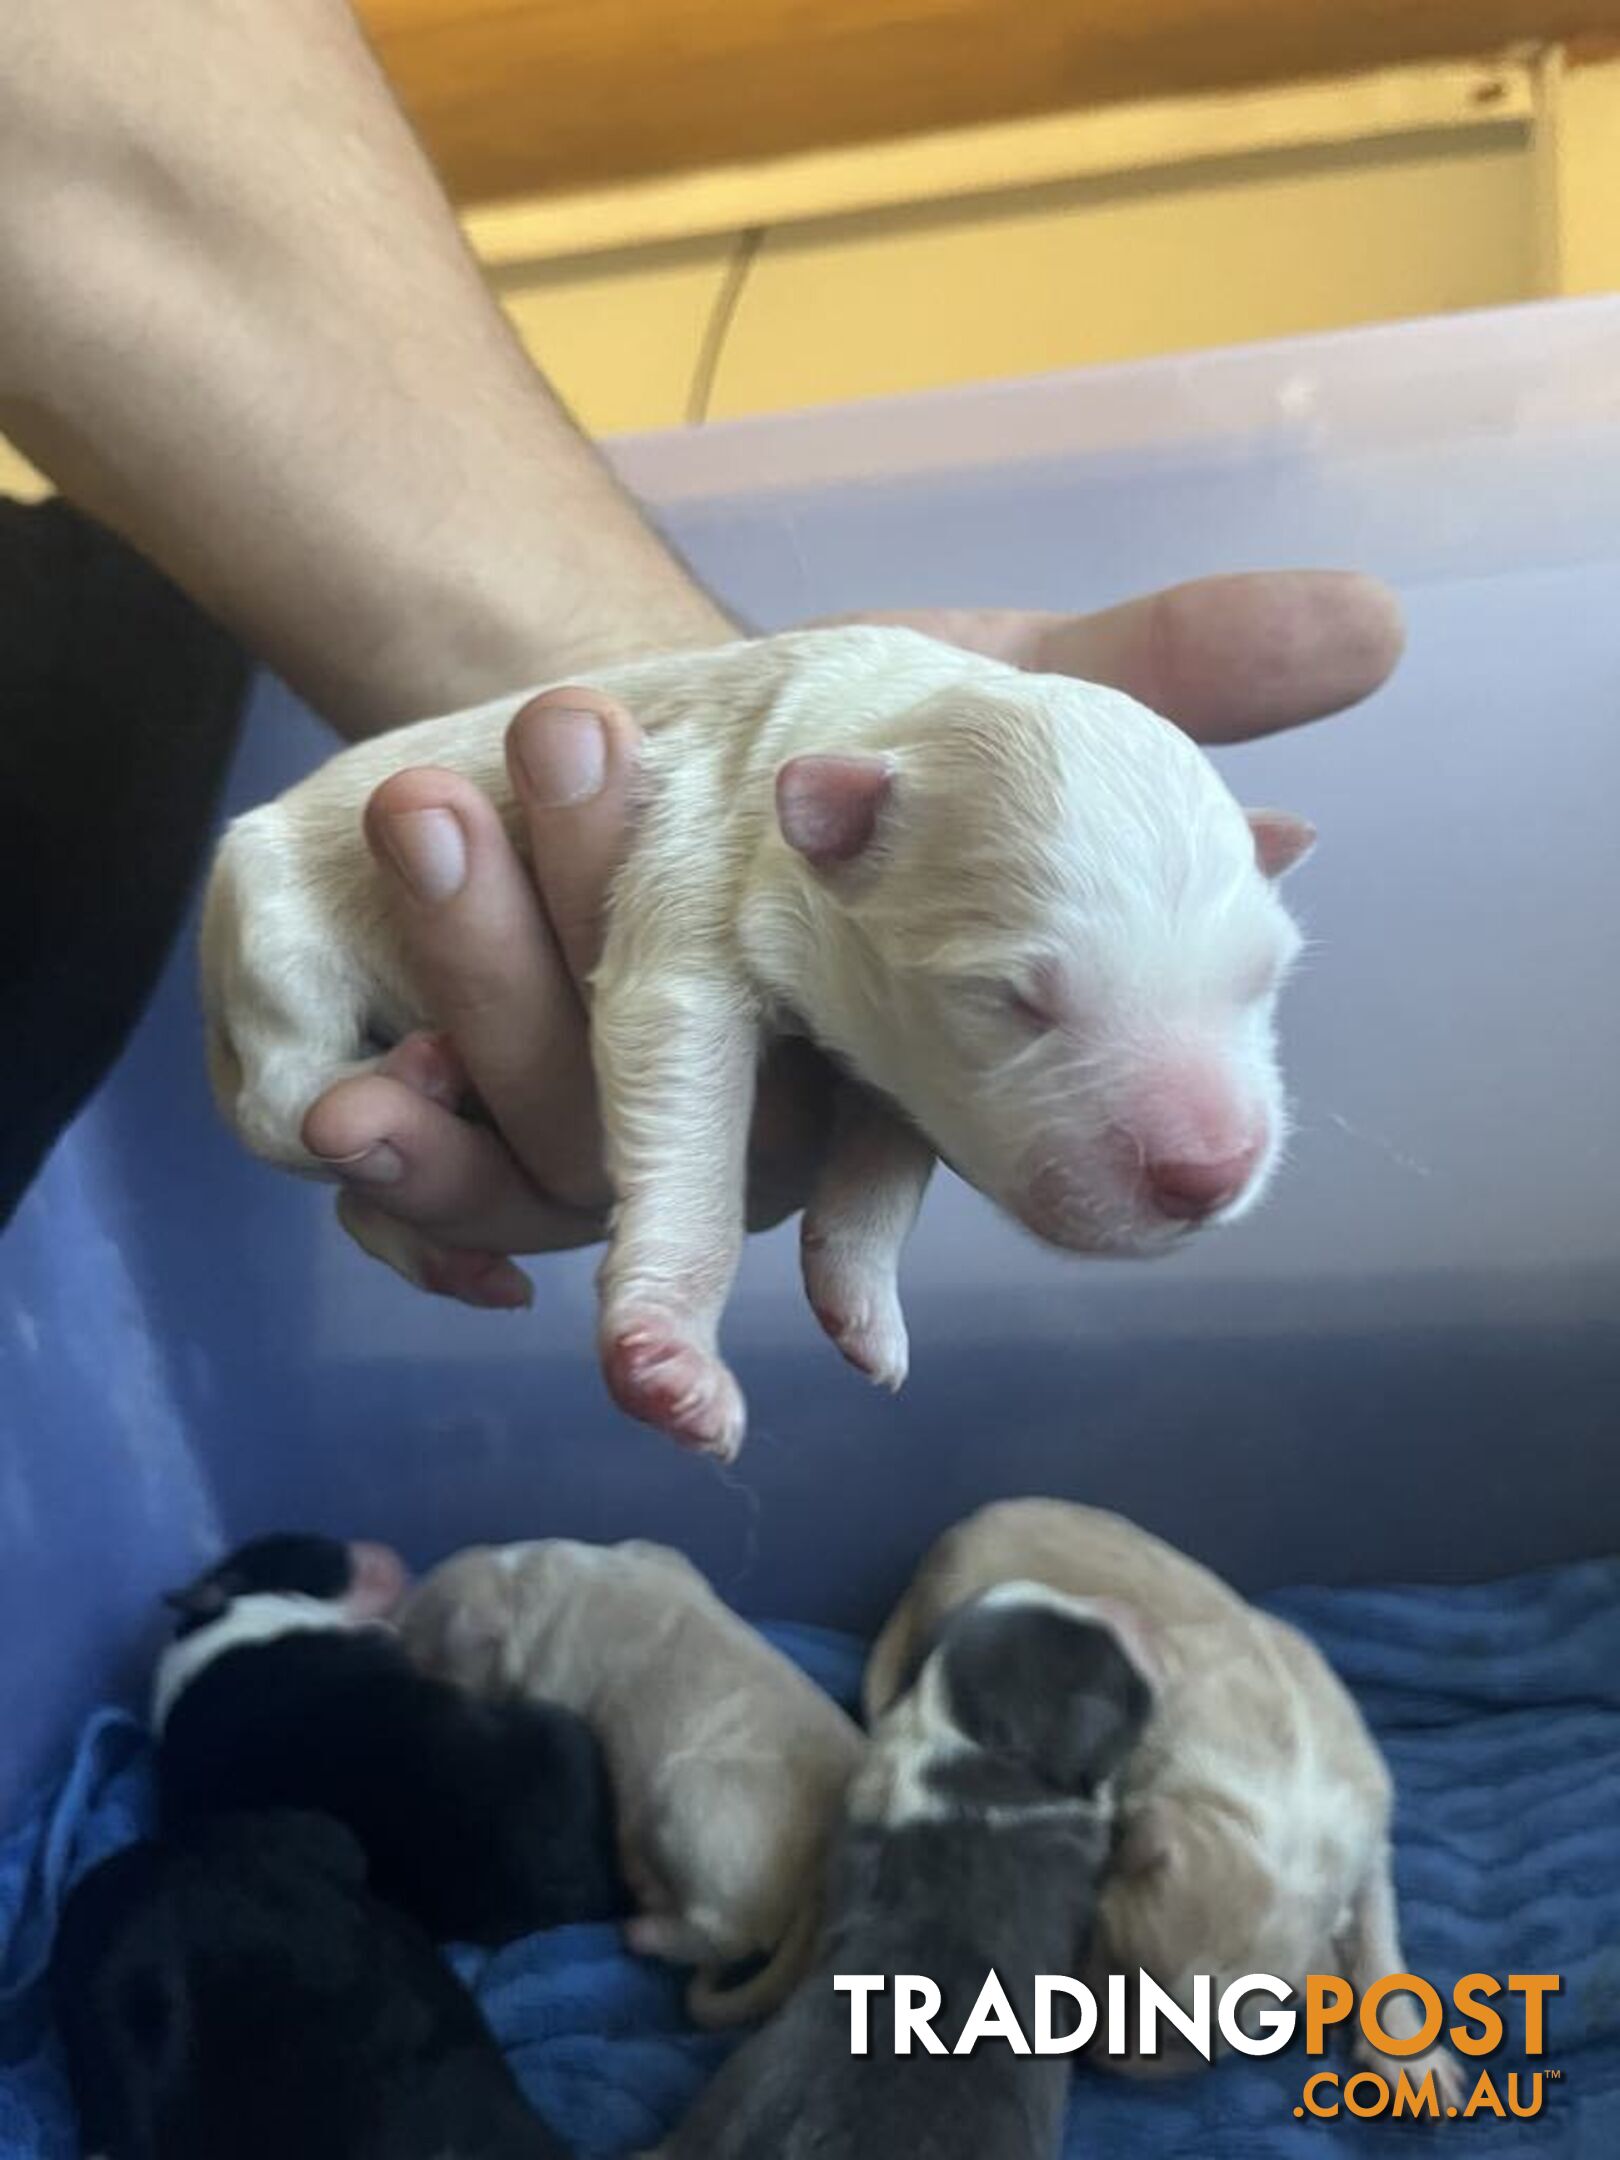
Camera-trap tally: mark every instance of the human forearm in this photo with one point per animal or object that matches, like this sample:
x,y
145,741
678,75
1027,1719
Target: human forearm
x,y
237,321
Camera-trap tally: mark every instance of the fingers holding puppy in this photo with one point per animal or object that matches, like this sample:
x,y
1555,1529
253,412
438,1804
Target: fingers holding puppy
x,y
503,925
438,1197
500,957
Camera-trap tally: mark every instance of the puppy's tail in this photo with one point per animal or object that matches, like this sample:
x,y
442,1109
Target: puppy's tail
x,y
716,2007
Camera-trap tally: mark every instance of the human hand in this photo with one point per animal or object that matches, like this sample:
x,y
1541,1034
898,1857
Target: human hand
x,y
481,1139
502,956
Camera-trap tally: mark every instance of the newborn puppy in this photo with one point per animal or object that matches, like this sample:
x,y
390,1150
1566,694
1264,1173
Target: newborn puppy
x,y
978,1829
1021,912
240,1995
1254,1817
282,1690
729,1766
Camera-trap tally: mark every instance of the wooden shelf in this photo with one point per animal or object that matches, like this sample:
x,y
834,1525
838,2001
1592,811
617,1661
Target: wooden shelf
x,y
525,97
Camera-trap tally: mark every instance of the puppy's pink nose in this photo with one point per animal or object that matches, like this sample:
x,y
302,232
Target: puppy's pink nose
x,y
1191,1191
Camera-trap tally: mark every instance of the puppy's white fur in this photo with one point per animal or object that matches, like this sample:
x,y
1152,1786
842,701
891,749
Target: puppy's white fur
x,y
1022,911
729,1766
262,1618
1254,1815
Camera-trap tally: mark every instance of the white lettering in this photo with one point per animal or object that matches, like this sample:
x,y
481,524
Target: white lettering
x,y
1156,2006
1048,2041
916,2004
1275,2027
992,2018
860,1988
1244,2024
1119,2042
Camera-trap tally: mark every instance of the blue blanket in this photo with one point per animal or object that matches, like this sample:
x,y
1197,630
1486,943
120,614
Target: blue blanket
x,y
1499,1709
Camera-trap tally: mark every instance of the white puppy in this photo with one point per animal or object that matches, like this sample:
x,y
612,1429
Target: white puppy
x,y
1021,911
729,1766
1254,1813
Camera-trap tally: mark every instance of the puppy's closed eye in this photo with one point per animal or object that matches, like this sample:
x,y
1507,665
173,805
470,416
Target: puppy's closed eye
x,y
1045,996
1028,1010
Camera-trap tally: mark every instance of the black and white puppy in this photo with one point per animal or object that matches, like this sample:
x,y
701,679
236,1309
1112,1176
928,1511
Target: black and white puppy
x,y
241,1995
284,1688
978,1831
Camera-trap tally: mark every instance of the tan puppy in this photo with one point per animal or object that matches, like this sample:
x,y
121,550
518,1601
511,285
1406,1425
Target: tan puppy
x,y
728,1765
1255,1813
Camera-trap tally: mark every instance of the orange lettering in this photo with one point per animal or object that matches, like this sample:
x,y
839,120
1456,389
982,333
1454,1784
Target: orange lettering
x,y
1328,2001
1401,1984
1421,2099
1535,1988
1467,1996
1484,2095
1324,2111
1379,2101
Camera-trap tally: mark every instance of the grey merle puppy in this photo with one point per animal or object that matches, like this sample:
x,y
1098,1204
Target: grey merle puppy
x,y
978,1831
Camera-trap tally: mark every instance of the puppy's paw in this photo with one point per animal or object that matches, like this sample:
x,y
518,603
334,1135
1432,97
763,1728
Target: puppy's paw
x,y
658,1374
1452,2082
873,1341
667,1936
648,1933
859,1310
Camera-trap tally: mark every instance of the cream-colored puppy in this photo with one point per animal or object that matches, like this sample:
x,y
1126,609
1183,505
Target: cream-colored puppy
x,y
1022,912
729,1766
1254,1813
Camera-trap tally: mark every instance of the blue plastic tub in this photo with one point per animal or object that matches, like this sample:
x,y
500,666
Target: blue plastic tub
x,y
1407,1366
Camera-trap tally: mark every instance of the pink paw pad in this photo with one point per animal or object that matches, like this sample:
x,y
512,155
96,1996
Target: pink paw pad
x,y
872,1341
658,1377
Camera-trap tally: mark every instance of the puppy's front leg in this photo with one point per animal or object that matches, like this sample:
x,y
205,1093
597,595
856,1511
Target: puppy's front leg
x,y
855,1228
1372,1948
675,1065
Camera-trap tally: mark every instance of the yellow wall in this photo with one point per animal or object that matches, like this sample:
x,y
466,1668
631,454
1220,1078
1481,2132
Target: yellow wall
x,y
1110,271
621,333
1200,222
1581,174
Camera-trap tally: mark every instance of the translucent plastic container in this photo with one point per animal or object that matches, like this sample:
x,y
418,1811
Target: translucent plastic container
x,y
1407,1365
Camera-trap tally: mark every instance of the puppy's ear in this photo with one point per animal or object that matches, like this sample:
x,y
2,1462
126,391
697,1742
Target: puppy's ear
x,y
829,808
1050,1689
458,1628
917,1655
200,1602
1149,1842
1281,839
475,1643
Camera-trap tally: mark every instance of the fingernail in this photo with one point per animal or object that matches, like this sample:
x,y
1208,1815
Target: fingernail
x,y
483,1280
429,851
563,755
381,1164
503,1288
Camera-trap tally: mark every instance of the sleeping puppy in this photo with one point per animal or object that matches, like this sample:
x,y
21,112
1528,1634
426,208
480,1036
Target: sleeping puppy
x,y
240,1995
978,1830
1022,913
283,1689
1255,1817
729,1766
